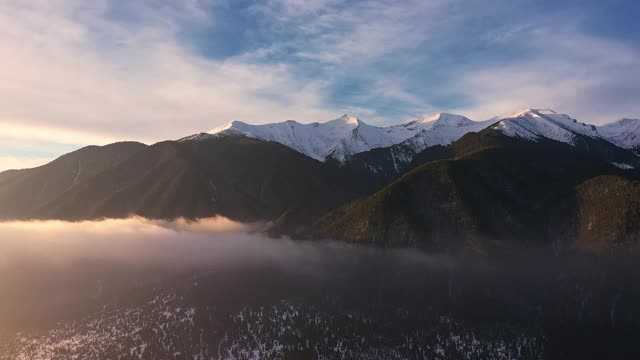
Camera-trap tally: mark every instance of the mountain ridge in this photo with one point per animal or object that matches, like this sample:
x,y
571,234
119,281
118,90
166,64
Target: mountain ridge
x,y
342,138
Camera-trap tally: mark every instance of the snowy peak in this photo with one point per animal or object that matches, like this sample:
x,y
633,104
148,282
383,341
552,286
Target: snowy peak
x,y
531,112
451,120
347,135
338,138
348,119
443,129
533,124
440,120
316,140
624,133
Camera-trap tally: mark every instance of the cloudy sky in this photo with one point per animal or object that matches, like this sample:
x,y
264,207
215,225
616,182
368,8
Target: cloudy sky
x,y
79,72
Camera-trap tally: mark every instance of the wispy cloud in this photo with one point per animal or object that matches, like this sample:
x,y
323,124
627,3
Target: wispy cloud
x,y
591,78
481,58
74,76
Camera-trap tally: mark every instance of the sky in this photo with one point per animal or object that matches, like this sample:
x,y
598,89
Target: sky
x,y
77,72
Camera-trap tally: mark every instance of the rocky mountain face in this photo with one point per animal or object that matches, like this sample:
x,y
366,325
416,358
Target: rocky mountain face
x,y
534,176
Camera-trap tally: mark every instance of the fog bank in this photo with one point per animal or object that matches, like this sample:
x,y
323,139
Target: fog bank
x,y
207,242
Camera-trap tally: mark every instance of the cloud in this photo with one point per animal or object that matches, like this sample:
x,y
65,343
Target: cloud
x,y
403,60
127,240
52,269
75,75
211,242
343,33
591,78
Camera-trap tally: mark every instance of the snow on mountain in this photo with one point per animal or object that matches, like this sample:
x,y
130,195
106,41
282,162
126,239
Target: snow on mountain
x,y
533,124
443,129
343,137
337,138
624,133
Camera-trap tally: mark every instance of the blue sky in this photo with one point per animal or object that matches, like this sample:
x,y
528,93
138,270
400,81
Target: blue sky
x,y
78,72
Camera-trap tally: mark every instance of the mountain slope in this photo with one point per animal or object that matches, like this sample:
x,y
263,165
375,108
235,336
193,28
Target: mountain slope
x,y
241,178
494,190
385,164
608,213
535,125
24,191
624,133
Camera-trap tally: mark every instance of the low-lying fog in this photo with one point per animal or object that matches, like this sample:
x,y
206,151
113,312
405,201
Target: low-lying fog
x,y
208,242
52,272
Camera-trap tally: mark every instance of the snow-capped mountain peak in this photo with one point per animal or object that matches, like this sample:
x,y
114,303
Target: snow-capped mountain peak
x,y
338,138
443,129
624,133
533,124
529,112
348,119
450,120
347,135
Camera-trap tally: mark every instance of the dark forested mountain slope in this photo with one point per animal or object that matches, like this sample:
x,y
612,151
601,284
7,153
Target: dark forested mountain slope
x,y
238,177
608,213
383,165
494,190
22,192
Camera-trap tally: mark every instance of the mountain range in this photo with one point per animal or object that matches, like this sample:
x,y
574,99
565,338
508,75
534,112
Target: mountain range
x,y
346,136
442,182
